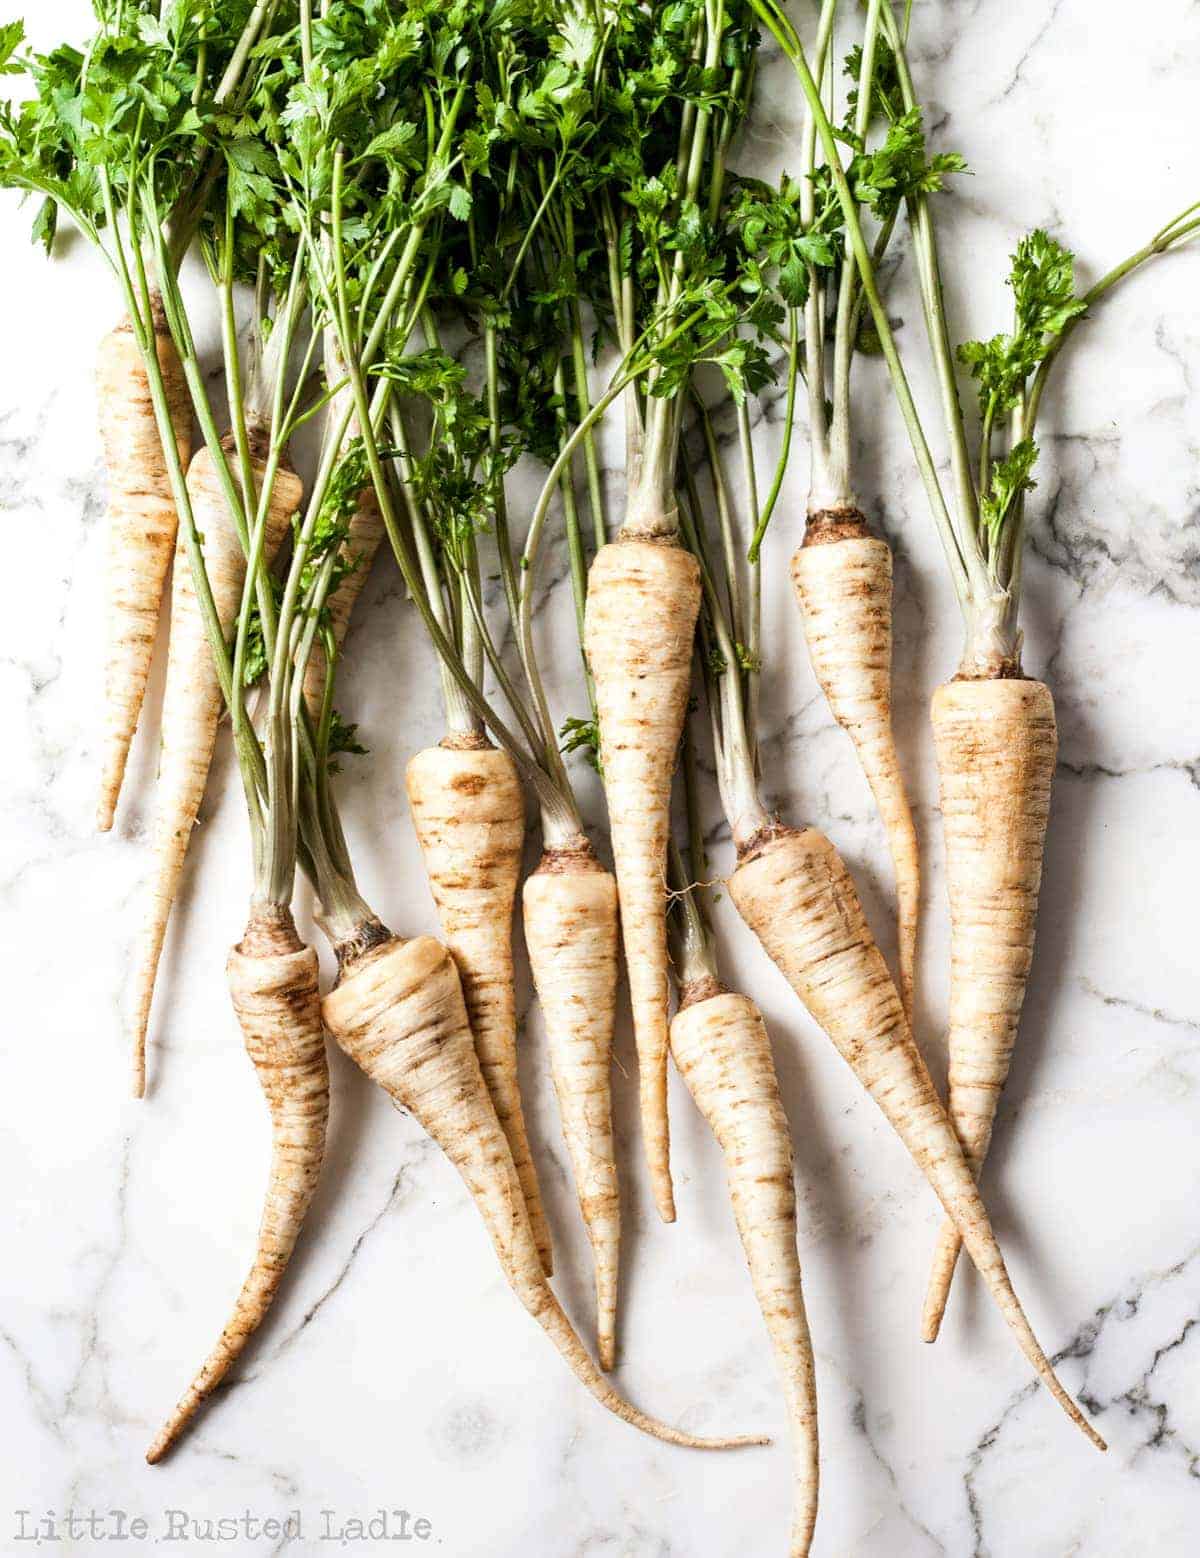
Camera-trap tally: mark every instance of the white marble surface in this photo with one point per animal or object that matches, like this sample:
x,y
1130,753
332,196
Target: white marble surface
x,y
396,1370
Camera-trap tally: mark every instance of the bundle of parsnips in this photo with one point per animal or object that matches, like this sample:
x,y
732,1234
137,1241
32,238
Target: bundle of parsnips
x,y
460,239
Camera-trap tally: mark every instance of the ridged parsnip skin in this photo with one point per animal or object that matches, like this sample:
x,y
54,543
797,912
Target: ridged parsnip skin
x,y
273,982
398,1012
996,745
795,893
366,531
469,814
141,531
844,589
570,905
724,1056
642,604
192,706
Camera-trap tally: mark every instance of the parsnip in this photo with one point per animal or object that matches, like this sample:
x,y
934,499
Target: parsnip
x,y
273,983
192,706
996,743
643,600
843,582
721,1047
469,814
142,524
398,1012
570,910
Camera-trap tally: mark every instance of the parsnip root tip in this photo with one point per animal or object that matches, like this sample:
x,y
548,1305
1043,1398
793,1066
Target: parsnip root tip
x,y
399,1013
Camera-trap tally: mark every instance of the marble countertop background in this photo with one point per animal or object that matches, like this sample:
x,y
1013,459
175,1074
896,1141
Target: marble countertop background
x,y
396,1371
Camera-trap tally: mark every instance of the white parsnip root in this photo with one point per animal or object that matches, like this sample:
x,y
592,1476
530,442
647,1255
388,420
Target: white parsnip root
x,y
273,983
723,1052
363,539
192,705
398,1012
469,815
794,892
142,523
996,742
642,604
570,906
843,583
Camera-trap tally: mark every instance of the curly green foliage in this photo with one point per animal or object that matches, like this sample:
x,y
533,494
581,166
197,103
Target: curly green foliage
x,y
887,100
342,740
1010,479
771,232
137,108
899,168
1042,280
582,735
445,479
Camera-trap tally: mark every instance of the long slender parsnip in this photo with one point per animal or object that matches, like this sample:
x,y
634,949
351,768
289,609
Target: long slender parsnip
x,y
398,1012
570,908
363,539
273,982
843,583
642,604
721,1047
469,814
996,743
794,892
192,706
142,524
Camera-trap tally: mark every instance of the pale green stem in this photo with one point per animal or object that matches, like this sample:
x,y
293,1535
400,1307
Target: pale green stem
x,y
843,336
962,567
793,372
814,303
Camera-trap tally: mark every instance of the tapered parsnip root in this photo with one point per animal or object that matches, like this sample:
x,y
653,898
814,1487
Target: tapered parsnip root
x,y
366,531
721,1047
141,529
570,905
398,1012
843,582
794,892
469,814
192,706
642,604
273,982
996,744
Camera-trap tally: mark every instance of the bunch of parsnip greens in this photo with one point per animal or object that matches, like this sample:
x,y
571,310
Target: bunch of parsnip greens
x,y
464,236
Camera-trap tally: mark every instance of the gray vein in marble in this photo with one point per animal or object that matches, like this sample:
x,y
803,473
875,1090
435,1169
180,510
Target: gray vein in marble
x,y
20,478
1030,49
1190,769
35,1391
858,1418
1154,1013
93,1351
1137,1399
419,1149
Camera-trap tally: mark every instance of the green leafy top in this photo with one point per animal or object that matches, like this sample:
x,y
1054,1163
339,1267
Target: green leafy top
x,y
899,168
1042,280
